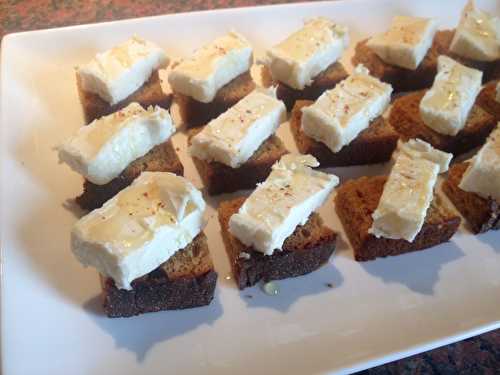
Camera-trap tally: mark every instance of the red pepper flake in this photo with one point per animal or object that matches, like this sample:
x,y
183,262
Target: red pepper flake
x,y
145,194
346,108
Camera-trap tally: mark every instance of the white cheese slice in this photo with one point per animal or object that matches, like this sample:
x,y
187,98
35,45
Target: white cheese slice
x,y
118,72
234,136
297,60
212,67
446,106
340,114
406,42
483,174
140,228
497,96
416,148
477,35
289,195
407,195
101,150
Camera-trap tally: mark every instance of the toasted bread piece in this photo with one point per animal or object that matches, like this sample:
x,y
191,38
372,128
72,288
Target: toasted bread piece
x,y
487,100
373,145
161,158
186,280
195,113
326,80
355,202
304,251
405,119
403,79
219,178
480,213
151,93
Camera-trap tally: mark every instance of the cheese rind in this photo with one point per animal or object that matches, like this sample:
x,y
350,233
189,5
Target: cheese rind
x,y
140,228
211,67
483,173
101,150
406,42
233,137
477,35
407,194
340,114
118,72
289,195
446,106
298,59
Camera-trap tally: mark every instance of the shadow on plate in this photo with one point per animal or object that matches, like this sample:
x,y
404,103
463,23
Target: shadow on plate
x,y
326,279
490,238
139,334
418,271
44,236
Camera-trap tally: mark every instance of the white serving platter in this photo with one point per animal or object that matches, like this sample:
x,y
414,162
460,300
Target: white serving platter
x,y
374,312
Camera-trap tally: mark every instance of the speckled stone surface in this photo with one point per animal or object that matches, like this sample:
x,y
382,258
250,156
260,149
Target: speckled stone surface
x,y
478,355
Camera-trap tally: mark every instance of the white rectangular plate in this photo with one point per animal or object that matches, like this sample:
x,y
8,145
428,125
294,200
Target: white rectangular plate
x,y
51,322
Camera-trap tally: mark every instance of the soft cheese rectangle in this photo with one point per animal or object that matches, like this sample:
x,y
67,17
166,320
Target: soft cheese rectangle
x,y
406,42
297,60
289,195
340,114
233,137
101,150
477,35
211,67
418,149
118,72
140,228
483,174
407,194
446,106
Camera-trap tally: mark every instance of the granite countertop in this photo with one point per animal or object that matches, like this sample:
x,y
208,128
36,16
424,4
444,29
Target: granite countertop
x,y
478,355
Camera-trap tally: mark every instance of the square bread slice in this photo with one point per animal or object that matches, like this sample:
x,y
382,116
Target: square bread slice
x,y
373,145
480,213
403,79
487,99
355,202
151,93
195,113
405,119
326,80
184,281
304,251
161,158
219,178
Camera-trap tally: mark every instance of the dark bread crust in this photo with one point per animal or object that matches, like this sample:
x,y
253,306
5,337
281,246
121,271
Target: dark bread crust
x,y
373,145
195,113
355,202
219,178
304,251
161,158
480,213
186,280
494,73
326,80
151,93
405,119
403,79
487,100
